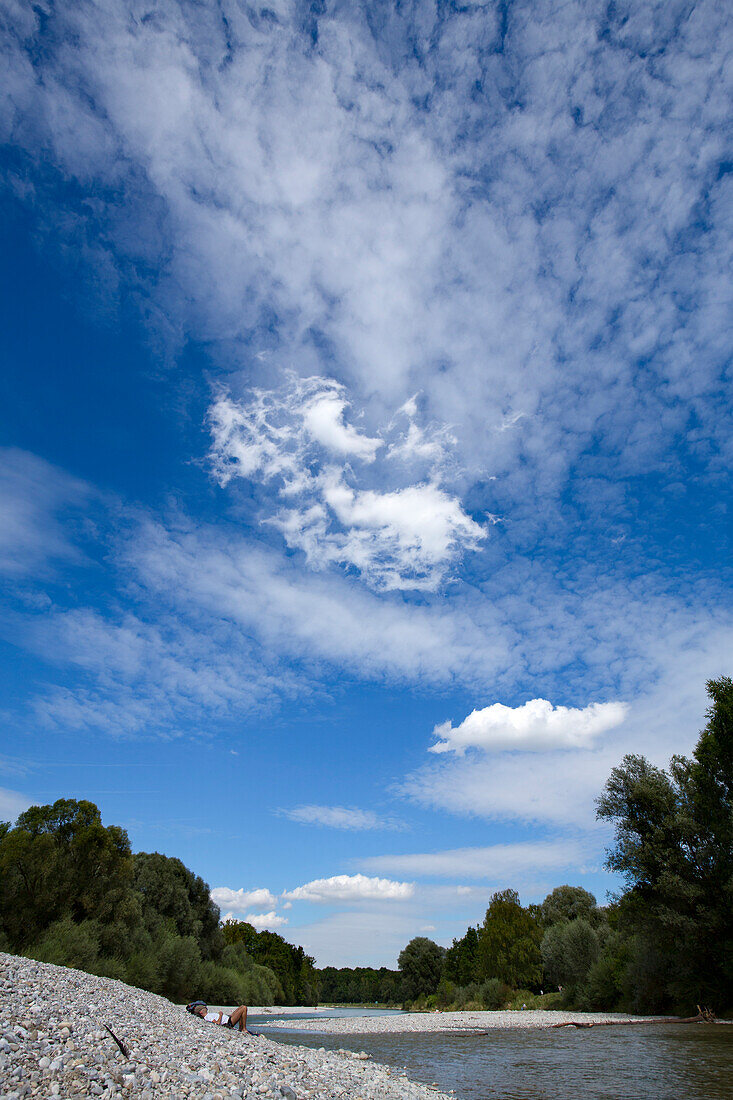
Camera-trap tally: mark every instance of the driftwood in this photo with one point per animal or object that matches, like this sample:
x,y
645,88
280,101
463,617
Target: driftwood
x,y
120,1044
704,1016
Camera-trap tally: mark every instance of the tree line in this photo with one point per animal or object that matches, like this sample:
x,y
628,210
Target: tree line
x,y
664,945
73,893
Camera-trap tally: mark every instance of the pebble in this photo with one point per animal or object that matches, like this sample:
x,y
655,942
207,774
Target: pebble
x,y
172,1055
450,1021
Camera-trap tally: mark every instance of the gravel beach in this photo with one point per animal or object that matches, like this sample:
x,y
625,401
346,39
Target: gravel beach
x,y
452,1021
53,1043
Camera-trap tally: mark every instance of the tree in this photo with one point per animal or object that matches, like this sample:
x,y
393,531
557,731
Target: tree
x,y
674,845
508,947
461,960
294,969
569,950
175,896
567,903
421,966
60,861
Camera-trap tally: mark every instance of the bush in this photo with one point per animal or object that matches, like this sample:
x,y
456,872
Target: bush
x,y
179,966
141,970
111,967
68,944
494,994
261,986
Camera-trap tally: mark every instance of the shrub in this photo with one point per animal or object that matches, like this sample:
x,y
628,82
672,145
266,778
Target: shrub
x,y
141,970
179,966
68,944
494,994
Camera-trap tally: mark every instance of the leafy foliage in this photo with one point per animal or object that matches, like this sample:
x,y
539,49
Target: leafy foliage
x,y
72,893
294,970
360,985
674,844
509,943
421,966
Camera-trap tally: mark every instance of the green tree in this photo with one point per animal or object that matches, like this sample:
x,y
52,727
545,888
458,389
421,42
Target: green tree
x,y
569,950
294,969
508,947
175,897
421,966
461,959
60,861
674,845
566,903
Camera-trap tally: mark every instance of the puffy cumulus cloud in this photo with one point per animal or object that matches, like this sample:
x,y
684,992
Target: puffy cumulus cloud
x,y
351,888
404,536
269,921
558,788
341,817
239,901
533,727
281,433
496,862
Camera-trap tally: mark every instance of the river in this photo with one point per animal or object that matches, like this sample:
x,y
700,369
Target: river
x,y
636,1062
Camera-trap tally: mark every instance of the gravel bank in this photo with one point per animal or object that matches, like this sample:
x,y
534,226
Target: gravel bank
x,y
53,1044
452,1021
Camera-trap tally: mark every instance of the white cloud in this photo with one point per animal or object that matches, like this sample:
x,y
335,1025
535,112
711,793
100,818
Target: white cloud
x,y
573,276
312,618
340,817
12,803
145,675
35,500
496,863
533,727
239,901
405,536
351,888
266,920
373,936
559,787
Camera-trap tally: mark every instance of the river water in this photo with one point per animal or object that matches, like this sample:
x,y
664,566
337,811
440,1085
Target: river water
x,y
636,1062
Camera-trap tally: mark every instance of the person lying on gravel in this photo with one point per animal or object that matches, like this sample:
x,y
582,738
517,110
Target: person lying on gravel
x,y
238,1018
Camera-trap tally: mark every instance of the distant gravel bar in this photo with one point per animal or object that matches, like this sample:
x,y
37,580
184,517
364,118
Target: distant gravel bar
x,y
53,1043
454,1021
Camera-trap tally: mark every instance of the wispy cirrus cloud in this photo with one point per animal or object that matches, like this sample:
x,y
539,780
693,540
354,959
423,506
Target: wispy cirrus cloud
x,y
342,817
40,506
496,862
556,294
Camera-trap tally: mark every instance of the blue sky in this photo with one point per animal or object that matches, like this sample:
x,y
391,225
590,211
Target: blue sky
x,y
366,437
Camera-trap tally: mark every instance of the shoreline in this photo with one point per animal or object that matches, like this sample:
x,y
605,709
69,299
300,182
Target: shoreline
x,y
464,1022
54,1043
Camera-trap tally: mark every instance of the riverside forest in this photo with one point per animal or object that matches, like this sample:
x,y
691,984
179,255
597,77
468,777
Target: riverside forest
x,y
73,893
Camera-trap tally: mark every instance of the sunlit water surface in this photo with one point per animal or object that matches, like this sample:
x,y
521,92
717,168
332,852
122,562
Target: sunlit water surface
x,y
639,1062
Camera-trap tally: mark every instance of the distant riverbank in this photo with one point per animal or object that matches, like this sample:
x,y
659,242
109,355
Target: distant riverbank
x,y
374,1024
